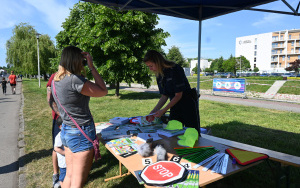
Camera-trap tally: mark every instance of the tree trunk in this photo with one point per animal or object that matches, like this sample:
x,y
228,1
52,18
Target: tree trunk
x,y
117,89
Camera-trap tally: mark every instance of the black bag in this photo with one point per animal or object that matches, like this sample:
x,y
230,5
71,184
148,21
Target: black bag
x,y
193,94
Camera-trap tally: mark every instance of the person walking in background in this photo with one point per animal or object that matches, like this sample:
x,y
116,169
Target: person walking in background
x,y
173,84
13,82
60,151
55,130
3,85
72,95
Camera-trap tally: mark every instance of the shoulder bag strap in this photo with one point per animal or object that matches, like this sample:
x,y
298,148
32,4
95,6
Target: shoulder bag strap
x,y
54,90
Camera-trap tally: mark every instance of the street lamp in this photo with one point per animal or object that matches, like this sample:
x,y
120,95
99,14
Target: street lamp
x,y
38,53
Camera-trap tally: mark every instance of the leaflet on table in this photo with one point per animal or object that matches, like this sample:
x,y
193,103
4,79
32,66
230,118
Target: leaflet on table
x,y
151,129
119,120
124,149
148,120
170,133
120,142
192,180
145,136
105,126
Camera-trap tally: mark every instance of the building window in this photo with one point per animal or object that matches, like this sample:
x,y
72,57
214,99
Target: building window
x,y
288,57
255,59
281,37
281,51
275,38
273,51
283,58
254,65
255,47
279,64
290,36
292,43
298,56
254,53
292,50
255,41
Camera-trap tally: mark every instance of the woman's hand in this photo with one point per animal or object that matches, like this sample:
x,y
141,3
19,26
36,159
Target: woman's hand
x,y
88,58
159,113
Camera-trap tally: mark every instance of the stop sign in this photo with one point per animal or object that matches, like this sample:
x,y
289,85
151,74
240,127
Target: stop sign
x,y
163,173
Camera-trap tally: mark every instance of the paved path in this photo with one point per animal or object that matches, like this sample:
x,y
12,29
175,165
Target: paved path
x,y
9,124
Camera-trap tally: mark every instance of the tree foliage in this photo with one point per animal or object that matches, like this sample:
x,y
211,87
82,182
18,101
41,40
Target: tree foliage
x,y
256,69
294,66
116,40
217,64
21,50
176,56
230,65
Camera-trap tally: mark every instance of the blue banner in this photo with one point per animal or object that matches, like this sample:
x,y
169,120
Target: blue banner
x,y
229,85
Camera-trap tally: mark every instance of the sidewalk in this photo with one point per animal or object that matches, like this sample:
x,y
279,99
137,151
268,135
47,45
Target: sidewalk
x,y
11,121
282,102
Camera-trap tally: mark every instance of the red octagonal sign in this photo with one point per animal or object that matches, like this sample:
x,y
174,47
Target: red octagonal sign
x,y
163,172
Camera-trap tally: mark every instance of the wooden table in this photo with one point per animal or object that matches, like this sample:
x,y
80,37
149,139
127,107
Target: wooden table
x,y
134,162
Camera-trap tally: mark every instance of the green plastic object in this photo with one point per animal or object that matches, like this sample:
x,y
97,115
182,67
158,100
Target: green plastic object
x,y
189,132
174,125
189,142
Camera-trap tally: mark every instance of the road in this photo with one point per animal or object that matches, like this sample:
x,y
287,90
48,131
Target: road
x,y
9,152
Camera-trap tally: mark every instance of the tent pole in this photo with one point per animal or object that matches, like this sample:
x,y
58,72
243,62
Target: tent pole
x,y
199,50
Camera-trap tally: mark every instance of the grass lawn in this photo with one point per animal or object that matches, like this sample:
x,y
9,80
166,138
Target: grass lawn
x,y
271,129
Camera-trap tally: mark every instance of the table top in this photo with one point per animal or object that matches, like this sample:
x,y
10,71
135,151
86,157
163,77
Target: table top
x,y
134,162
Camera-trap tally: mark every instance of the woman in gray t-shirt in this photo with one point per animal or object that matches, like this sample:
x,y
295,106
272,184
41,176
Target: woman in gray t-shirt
x,y
73,92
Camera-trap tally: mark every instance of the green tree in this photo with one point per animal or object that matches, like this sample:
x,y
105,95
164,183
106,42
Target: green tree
x,y
176,56
294,66
21,50
217,64
230,65
242,62
256,69
117,40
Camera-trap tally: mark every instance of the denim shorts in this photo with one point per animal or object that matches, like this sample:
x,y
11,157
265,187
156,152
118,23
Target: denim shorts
x,y
72,138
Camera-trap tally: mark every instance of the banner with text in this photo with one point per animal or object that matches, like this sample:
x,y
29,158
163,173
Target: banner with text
x,y
229,84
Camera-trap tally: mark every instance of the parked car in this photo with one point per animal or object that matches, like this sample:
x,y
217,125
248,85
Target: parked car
x,y
274,74
287,75
264,75
298,75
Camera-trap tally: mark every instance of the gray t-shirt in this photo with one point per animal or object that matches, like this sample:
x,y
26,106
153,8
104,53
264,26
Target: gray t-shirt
x,y
68,91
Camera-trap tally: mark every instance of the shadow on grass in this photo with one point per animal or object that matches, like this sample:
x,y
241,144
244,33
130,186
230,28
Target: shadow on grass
x,y
26,159
132,95
261,175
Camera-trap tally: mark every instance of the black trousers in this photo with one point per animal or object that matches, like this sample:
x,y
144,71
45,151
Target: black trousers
x,y
187,112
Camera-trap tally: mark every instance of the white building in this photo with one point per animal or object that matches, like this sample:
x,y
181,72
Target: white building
x,y
270,52
204,63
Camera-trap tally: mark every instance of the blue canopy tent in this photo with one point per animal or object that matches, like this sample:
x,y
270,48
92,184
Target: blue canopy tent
x,y
194,10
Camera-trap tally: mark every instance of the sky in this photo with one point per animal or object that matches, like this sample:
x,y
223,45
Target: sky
x,y
218,34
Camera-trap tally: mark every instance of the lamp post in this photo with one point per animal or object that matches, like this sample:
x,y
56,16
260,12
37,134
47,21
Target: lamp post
x,y
241,65
38,53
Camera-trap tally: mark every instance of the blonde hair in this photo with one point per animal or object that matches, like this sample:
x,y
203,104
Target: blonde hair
x,y
159,61
70,63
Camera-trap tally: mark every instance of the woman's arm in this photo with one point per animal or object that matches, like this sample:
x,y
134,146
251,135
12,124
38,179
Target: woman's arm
x,y
59,150
175,99
162,101
51,101
97,89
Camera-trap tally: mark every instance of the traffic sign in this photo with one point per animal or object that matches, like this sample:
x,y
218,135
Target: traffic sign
x,y
163,173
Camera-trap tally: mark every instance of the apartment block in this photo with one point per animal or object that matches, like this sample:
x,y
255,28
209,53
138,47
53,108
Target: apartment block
x,y
270,52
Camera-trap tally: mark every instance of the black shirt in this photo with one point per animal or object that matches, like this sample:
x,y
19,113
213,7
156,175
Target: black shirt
x,y
174,81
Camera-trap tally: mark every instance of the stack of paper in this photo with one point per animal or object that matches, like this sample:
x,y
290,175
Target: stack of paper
x,y
145,136
119,120
170,133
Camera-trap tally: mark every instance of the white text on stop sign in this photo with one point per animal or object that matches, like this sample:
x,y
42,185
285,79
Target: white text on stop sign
x,y
163,171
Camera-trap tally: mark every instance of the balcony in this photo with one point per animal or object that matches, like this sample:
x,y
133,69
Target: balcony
x,y
278,47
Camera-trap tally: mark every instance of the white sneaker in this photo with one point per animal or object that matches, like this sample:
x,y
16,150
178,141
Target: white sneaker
x,y
57,185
